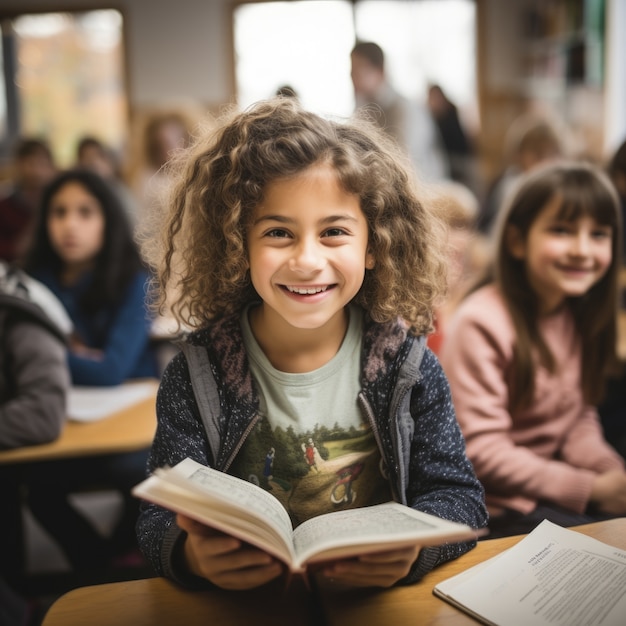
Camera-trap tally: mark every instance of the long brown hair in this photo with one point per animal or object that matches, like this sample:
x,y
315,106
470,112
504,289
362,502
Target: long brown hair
x,y
584,190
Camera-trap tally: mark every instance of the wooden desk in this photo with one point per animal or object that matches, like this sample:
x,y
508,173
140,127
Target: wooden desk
x,y
130,429
127,430
157,602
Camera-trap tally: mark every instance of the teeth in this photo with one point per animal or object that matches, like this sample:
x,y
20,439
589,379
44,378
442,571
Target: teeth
x,y
305,292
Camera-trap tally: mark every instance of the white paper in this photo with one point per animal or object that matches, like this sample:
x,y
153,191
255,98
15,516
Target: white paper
x,y
553,577
88,404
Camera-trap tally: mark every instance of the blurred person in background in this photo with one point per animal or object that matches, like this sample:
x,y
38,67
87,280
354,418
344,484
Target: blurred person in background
x,y
528,351
164,134
467,249
33,167
84,252
458,145
97,156
408,122
34,377
531,140
34,381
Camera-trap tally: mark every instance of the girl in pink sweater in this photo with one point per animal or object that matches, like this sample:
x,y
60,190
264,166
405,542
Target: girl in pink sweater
x,y
527,354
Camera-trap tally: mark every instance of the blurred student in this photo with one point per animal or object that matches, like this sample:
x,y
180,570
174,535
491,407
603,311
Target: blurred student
x,y
527,355
530,141
34,381
409,123
32,169
34,377
308,299
85,254
95,155
164,134
458,145
466,249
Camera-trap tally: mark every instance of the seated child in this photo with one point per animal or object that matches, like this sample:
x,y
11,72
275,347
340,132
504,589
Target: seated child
x,y
293,243
527,355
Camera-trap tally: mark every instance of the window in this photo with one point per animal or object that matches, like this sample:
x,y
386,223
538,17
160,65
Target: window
x,y
307,46
67,79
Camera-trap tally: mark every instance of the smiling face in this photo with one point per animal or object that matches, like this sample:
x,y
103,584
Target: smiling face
x,y
563,258
307,249
75,225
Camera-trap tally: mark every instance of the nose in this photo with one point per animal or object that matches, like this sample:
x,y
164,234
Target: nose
x,y
581,244
69,222
307,257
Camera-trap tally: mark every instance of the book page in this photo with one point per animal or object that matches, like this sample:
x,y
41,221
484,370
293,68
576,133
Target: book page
x,y
233,491
89,404
252,507
553,577
380,527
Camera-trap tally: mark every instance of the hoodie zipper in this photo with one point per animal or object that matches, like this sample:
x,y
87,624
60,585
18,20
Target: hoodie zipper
x,y
242,439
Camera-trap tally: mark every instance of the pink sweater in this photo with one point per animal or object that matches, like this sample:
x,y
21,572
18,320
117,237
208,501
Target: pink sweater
x,y
550,451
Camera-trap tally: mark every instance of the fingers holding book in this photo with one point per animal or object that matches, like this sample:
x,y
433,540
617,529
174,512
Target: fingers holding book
x,y
225,561
378,569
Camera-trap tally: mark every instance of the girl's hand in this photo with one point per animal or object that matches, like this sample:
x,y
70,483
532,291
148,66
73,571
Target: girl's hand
x,y
223,560
609,492
382,569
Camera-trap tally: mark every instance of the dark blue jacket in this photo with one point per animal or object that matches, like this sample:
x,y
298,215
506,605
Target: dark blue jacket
x,y
122,333
405,397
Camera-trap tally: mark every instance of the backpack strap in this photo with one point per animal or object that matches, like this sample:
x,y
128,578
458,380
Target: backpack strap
x,y
205,392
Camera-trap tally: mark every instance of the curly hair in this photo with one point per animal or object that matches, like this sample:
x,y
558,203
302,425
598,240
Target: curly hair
x,y
198,248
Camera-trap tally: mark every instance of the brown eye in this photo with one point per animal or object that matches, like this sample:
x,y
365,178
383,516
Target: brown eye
x,y
334,232
277,233
602,233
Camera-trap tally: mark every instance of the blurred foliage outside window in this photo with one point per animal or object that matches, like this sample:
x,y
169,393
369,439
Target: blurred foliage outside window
x,y
69,79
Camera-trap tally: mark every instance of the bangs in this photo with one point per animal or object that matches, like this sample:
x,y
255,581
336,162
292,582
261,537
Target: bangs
x,y
589,198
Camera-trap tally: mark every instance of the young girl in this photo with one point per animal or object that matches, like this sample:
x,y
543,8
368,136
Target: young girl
x,y
528,353
84,252
294,244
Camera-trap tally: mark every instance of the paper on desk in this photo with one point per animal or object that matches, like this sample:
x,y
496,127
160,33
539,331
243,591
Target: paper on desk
x,y
88,404
554,576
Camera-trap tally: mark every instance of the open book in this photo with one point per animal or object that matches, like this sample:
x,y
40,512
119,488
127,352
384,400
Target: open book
x,y
554,576
250,513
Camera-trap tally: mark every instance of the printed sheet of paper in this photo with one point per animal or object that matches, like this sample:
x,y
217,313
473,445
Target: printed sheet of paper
x,y
88,404
553,577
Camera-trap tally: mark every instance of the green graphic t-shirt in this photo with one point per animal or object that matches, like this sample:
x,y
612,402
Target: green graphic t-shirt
x,y
311,448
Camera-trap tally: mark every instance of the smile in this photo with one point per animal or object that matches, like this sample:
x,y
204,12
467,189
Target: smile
x,y
305,291
575,270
